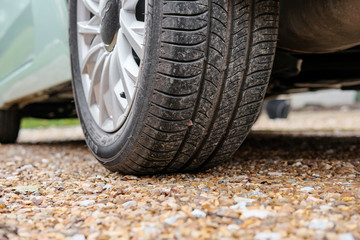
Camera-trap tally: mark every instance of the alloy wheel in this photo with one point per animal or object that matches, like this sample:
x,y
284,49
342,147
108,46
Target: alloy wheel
x,y
110,42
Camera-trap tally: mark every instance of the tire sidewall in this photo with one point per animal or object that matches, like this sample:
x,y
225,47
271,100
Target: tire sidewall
x,y
112,148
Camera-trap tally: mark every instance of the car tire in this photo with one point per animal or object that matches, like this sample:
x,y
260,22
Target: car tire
x,y
202,77
9,125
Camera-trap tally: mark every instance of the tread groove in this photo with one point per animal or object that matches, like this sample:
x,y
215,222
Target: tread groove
x,y
197,104
208,81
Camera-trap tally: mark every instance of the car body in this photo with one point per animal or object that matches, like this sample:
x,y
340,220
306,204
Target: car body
x,y
34,52
34,56
315,51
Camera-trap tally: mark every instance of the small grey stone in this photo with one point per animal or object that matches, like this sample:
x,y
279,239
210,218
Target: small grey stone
x,y
346,236
307,189
78,237
267,236
198,213
130,204
318,224
86,203
173,219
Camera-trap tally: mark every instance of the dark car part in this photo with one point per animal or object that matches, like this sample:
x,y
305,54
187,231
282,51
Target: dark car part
x,y
203,76
318,47
277,109
9,125
56,102
299,72
50,110
319,26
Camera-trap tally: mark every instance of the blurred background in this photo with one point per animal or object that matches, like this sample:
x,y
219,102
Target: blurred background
x,y
284,109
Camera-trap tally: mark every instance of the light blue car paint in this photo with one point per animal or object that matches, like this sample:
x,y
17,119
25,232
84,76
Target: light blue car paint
x,y
34,52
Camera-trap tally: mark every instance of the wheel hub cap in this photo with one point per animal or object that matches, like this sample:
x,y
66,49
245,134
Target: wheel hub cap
x,y
110,23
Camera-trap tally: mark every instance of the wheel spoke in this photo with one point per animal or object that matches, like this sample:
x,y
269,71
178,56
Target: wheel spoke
x,y
90,54
129,5
138,27
85,27
132,69
96,79
92,6
118,110
115,107
104,86
127,83
118,91
133,30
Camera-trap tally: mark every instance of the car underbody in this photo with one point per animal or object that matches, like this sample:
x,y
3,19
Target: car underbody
x,y
317,49
292,73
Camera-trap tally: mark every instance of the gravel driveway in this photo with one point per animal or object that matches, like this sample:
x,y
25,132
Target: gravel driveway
x,y
292,179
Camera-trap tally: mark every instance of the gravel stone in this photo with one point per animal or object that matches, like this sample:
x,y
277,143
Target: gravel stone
x,y
267,236
307,189
130,204
346,236
198,213
78,237
85,203
68,194
275,174
319,224
173,219
233,227
255,213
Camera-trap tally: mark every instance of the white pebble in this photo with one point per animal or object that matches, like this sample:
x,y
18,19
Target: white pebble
x,y
346,236
44,160
267,236
198,213
173,219
318,224
233,227
78,237
275,174
152,230
107,186
241,199
307,189
28,166
132,177
255,213
130,204
313,199
328,166
325,208
256,193
239,205
26,189
241,202
86,203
